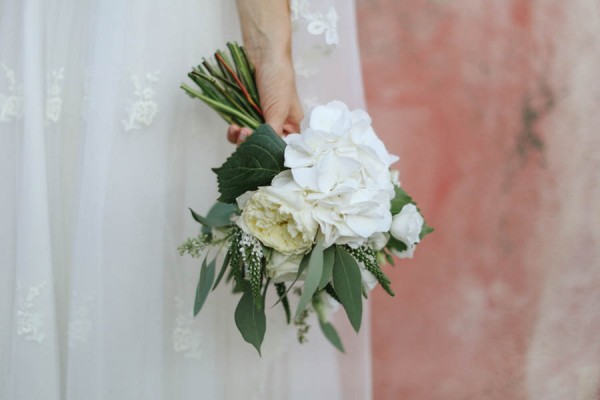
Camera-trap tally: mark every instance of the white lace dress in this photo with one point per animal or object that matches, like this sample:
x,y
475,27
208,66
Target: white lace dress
x,y
100,155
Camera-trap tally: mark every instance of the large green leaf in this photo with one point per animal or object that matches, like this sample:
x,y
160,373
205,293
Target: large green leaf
x,y
250,320
255,163
331,335
400,200
328,260
313,276
207,276
347,283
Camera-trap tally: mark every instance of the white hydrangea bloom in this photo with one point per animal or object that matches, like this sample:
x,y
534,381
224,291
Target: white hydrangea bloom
x,y
344,169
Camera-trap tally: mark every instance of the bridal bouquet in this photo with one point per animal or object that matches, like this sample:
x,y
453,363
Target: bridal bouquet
x,y
316,214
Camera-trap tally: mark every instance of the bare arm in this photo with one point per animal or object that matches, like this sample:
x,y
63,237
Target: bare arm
x,y
266,31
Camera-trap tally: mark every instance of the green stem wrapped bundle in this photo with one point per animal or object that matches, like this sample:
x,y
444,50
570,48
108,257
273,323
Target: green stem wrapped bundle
x,y
228,86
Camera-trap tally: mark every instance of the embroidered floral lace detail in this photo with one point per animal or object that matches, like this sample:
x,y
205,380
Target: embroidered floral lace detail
x,y
186,339
80,323
10,103
142,110
53,94
318,23
307,63
29,320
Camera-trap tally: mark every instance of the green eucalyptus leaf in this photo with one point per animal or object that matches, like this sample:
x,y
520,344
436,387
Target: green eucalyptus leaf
x,y
223,269
347,282
219,216
328,260
207,276
331,335
400,200
255,163
313,276
250,320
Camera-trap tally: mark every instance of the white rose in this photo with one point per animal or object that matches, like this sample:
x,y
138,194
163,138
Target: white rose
x,y
278,216
344,169
282,267
407,225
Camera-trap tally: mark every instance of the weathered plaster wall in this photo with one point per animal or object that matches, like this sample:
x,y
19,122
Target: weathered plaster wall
x,y
494,108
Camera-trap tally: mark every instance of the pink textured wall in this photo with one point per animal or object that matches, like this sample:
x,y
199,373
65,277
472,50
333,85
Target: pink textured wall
x,y
494,108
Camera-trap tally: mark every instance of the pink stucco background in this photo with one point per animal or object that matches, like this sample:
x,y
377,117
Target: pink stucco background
x,y
494,109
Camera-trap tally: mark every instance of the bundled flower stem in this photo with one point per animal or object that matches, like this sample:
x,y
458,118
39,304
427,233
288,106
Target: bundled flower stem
x,y
228,87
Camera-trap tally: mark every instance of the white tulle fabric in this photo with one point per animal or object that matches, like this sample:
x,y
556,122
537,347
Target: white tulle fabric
x,y
100,156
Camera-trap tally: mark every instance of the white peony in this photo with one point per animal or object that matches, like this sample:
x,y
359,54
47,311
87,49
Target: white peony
x,y
406,227
344,169
283,267
278,216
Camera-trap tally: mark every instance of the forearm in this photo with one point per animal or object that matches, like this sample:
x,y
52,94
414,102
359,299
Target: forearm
x,y
266,29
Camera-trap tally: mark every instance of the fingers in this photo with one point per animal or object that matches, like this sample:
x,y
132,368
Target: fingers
x,y
244,133
233,133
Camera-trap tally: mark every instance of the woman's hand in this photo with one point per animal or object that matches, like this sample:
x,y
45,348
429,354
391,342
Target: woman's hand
x,y
266,29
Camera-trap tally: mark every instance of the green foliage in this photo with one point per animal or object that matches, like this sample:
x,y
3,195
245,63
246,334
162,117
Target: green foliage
x,y
326,327
331,291
400,200
313,276
328,259
331,334
252,261
301,268
366,255
194,246
226,261
235,262
250,319
426,230
347,282
218,216
228,86
207,276
395,244
282,294
301,322
254,163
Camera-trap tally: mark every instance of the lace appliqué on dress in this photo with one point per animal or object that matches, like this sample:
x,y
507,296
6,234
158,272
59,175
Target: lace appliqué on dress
x,y
53,94
11,102
322,25
29,320
80,323
142,110
318,23
186,339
